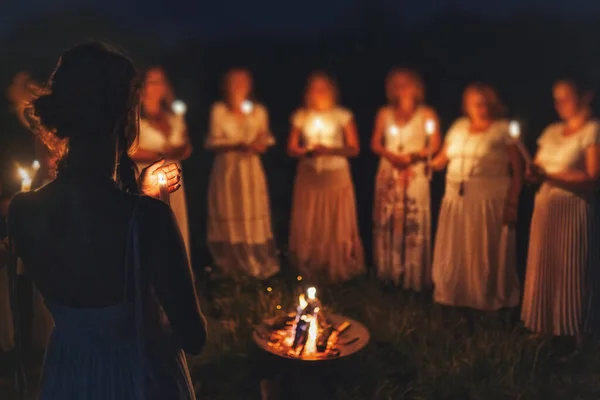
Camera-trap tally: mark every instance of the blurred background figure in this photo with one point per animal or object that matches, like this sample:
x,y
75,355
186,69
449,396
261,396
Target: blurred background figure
x,y
562,281
163,134
402,212
324,236
474,261
240,238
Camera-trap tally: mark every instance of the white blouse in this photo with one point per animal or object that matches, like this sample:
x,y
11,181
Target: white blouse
x,y
323,128
152,139
481,155
559,153
228,128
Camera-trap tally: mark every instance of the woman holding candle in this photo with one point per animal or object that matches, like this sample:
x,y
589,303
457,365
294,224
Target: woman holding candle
x,y
561,285
163,135
239,219
110,264
402,215
324,237
474,256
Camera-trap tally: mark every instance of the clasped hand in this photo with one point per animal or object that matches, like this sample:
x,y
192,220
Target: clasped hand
x,y
535,174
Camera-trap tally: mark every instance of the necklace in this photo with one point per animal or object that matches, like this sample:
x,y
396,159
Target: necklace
x,y
461,186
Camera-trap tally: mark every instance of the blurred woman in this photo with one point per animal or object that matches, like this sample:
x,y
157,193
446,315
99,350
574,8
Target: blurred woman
x,y
402,215
474,256
561,284
324,237
163,135
239,220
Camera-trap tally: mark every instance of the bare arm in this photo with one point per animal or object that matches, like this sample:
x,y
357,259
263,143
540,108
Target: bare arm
x,y
377,145
145,156
294,148
516,182
172,277
440,161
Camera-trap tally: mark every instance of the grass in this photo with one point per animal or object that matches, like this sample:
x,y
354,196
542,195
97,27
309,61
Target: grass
x,y
418,350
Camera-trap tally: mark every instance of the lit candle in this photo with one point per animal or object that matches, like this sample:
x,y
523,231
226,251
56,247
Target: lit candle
x,y
179,107
319,126
162,184
36,165
429,131
247,107
311,292
25,180
514,130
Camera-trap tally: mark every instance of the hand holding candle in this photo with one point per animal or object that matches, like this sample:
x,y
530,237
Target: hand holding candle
x,y
514,130
162,184
429,131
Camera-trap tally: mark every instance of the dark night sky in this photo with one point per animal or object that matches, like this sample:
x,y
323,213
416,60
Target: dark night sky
x,y
218,18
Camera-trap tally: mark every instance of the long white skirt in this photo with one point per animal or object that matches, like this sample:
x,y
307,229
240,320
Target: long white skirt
x,y
563,265
474,258
239,219
402,228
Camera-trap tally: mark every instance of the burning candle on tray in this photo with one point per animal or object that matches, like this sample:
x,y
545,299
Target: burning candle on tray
x,y
25,180
429,131
162,185
514,130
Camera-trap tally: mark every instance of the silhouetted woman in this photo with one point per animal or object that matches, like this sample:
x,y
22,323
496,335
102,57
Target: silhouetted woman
x,y
402,213
562,282
474,263
239,218
324,237
110,264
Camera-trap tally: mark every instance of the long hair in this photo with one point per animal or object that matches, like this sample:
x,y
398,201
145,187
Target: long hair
x,y
91,99
413,76
496,108
317,76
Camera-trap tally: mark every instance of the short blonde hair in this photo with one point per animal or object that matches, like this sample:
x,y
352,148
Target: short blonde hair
x,y
496,108
413,75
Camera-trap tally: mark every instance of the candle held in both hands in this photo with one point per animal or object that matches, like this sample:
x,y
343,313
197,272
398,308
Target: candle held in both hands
x,y
514,130
162,184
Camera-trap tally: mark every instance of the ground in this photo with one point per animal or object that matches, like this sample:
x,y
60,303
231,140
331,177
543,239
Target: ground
x,y
418,350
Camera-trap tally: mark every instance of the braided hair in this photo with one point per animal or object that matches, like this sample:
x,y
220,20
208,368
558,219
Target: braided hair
x,y
91,102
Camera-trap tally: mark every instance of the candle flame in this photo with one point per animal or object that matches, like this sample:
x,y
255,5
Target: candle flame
x,y
430,127
311,293
313,333
179,107
394,131
162,179
319,125
24,174
36,165
514,129
247,107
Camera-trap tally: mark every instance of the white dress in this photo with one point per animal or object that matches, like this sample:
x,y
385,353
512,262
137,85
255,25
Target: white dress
x,y
402,215
324,236
562,281
239,220
474,257
152,139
